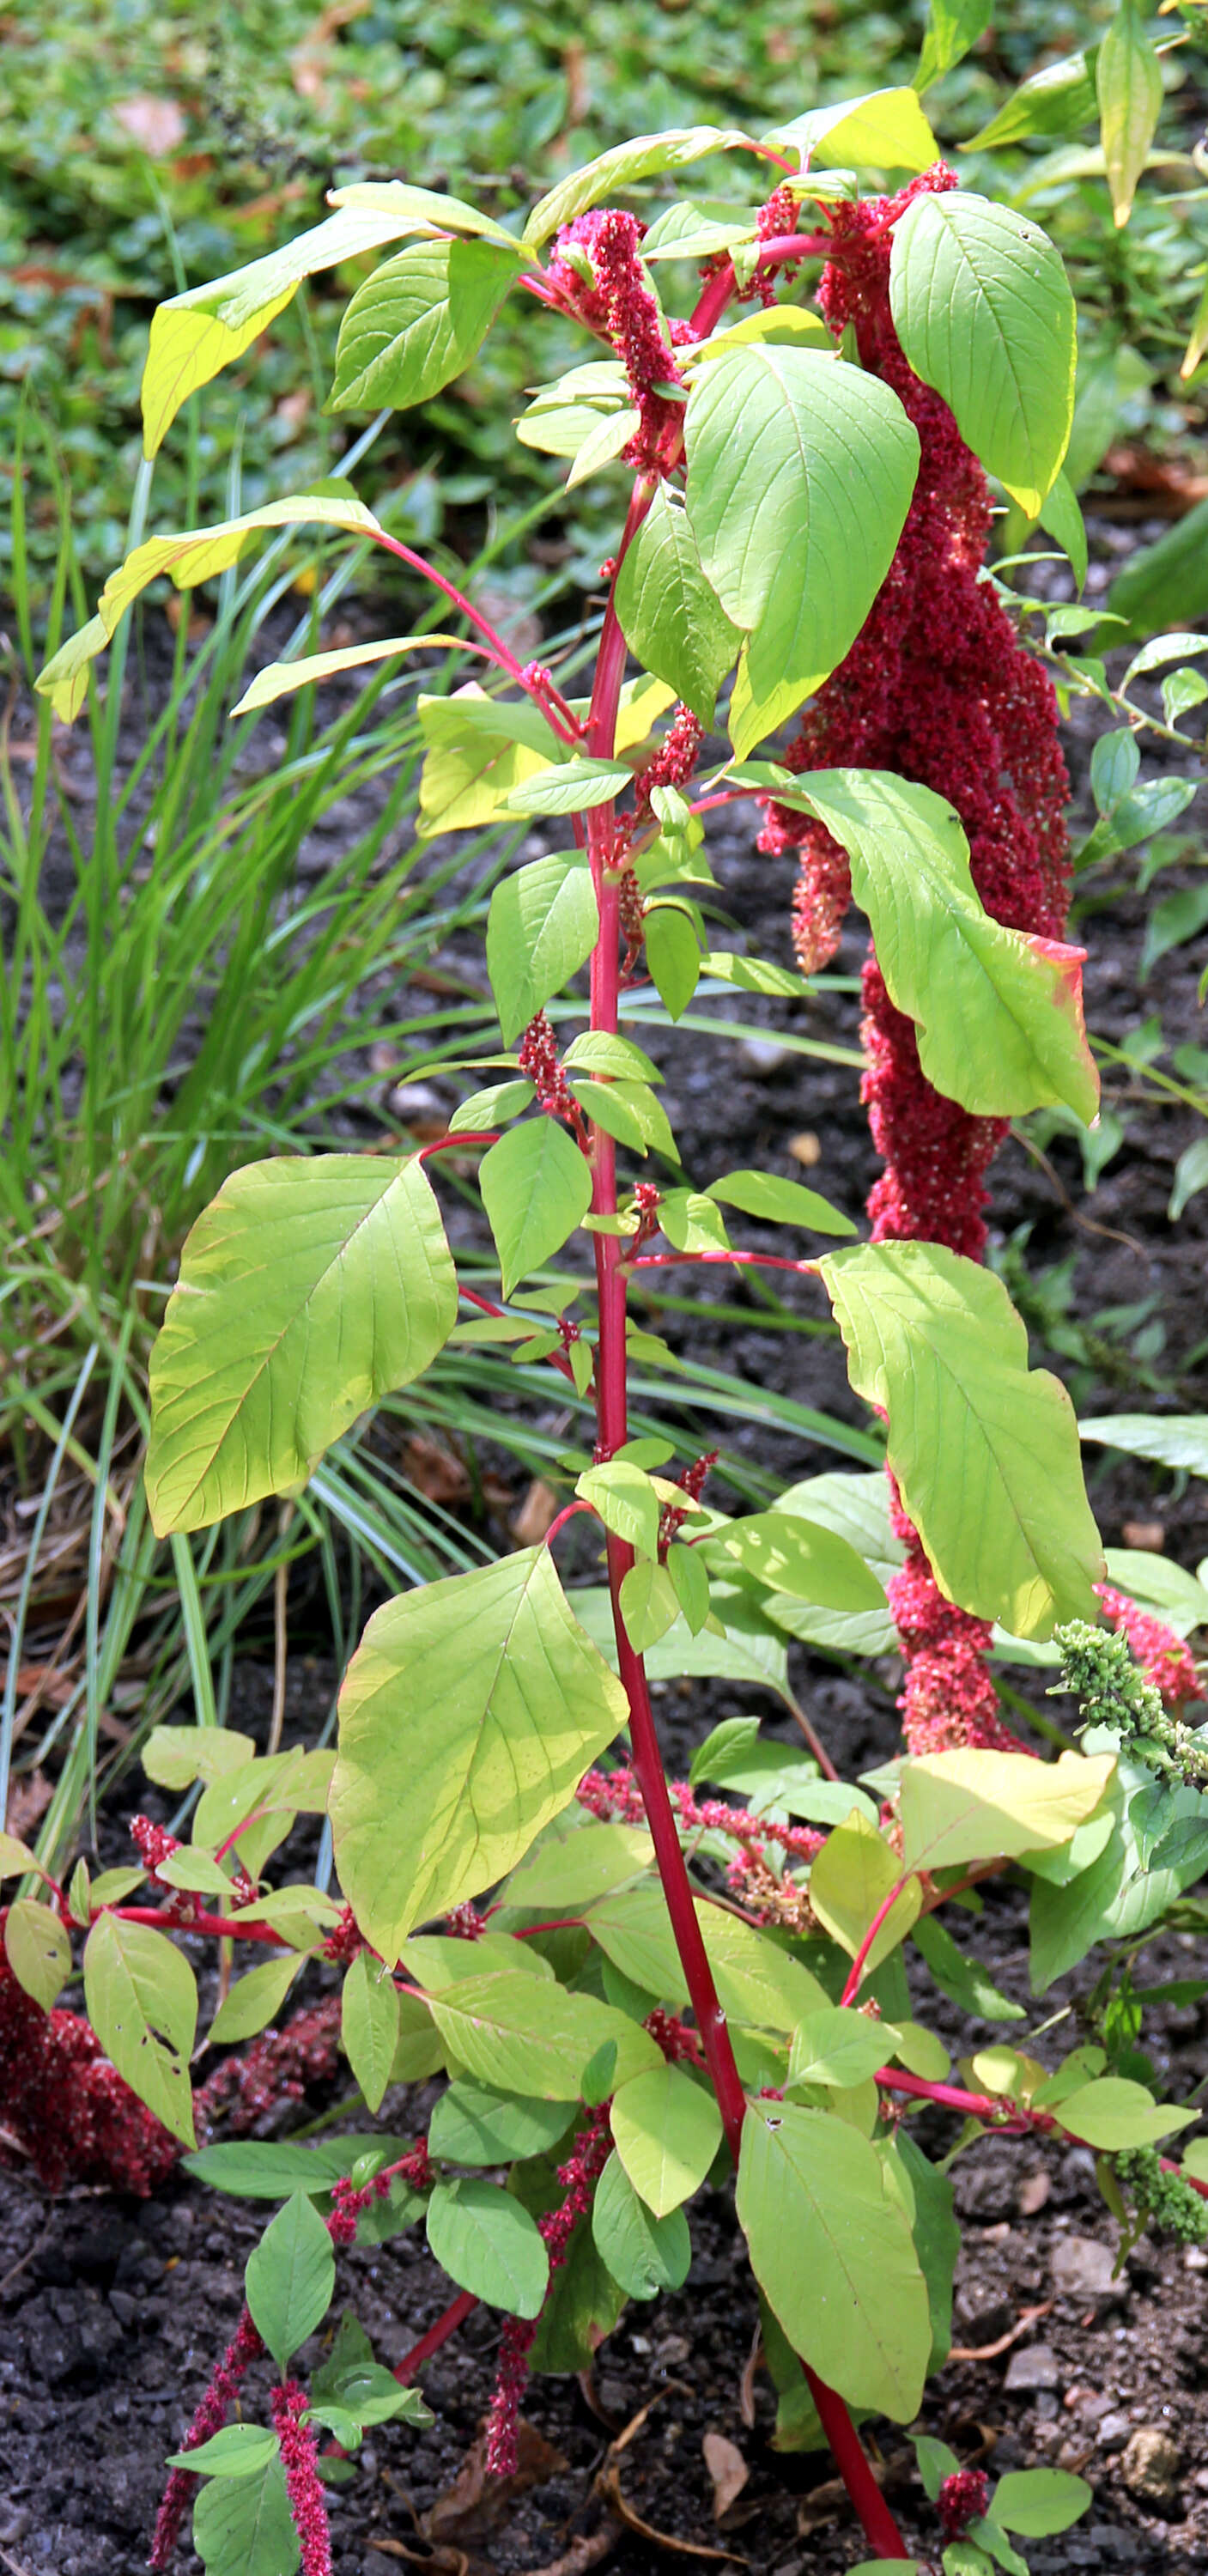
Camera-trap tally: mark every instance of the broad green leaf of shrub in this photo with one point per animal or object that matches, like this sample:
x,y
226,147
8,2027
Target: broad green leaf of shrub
x,y
952,27
469,1713
369,2026
290,2278
643,2253
667,2131
983,309
1113,2112
543,924
998,1012
281,679
985,1450
238,2451
832,2253
242,2526
196,554
308,1289
1058,100
417,322
780,1202
1174,1440
840,2047
961,1977
254,2000
37,1945
800,474
852,1876
1128,84
671,618
641,158
536,1188
885,130
569,1869
141,1997
476,2124
975,1805
487,2243
527,2037
1036,2502
802,1558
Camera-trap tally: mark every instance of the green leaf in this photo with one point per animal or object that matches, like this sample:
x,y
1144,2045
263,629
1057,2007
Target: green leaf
x,y
582,2308
536,1188
667,2131
1166,584
832,2253
800,473
840,2047
1035,2502
937,2237
420,209
649,1604
487,2243
627,1110
975,1805
282,679
850,1879
672,956
1058,100
468,1716
1111,2113
885,130
998,1012
235,2452
596,1051
16,1857
272,2169
569,1868
802,1558
1061,514
476,2124
748,1651
641,158
982,306
961,1978
542,925
952,27
984,1450
369,2026
528,2037
194,555
37,1945
492,1108
254,2000
1128,84
244,2527
626,1501
573,787
479,749
307,1290
290,2278
1174,1440
690,1582
643,2253
141,1997
763,1194
670,617
417,322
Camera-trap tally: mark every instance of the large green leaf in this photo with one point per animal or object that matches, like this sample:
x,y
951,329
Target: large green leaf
x,y
290,2278
885,130
985,1450
528,2037
952,27
667,2131
801,1557
1173,1439
141,1997
800,473
1128,82
476,2124
416,323
1058,100
998,1012
543,924
309,1288
982,306
1112,2112
37,1946
670,617
478,749
975,1805
487,2243
470,1712
832,2253
641,158
643,2253
244,2527
282,679
536,1188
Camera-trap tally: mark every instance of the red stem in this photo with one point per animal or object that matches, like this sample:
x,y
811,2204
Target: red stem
x,y
884,1910
564,721
748,1260
569,1514
431,2342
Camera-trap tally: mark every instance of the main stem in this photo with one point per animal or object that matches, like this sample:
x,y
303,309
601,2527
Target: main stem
x,y
880,2528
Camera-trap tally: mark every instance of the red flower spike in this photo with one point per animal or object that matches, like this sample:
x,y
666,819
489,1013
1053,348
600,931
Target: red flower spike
x,y
208,2419
619,306
304,2486
963,2498
938,688
578,2177
66,2107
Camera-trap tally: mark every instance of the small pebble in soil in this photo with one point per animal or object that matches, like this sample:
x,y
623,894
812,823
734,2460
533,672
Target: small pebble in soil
x,y
1034,2367
1150,2466
1082,2269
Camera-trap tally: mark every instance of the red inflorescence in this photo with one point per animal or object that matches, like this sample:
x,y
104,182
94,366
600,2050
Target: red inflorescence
x,y
66,2107
153,1843
963,2498
539,1060
276,2068
1160,1652
303,2485
596,272
209,2418
578,2178
938,688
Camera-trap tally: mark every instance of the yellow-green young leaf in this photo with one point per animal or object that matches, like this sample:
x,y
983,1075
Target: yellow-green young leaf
x,y
308,1289
800,1557
16,1857
667,2131
625,1498
470,1712
175,1756
574,1863
542,926
850,1880
142,2002
529,2036
757,1982
1128,82
536,1188
832,2252
419,209
196,554
1036,2502
765,1194
416,323
998,1013
983,309
644,2254
1112,2113
419,2049
885,130
985,1450
369,2025
254,2000
38,1948
840,2047
952,27
280,679
649,1604
641,158
670,617
478,751
974,1805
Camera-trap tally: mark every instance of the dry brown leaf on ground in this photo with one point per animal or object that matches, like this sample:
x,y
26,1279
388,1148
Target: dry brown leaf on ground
x,y
538,1512
476,2500
728,2471
583,2554
28,1801
441,2562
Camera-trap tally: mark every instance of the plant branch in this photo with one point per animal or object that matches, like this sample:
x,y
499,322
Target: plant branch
x,y
884,1910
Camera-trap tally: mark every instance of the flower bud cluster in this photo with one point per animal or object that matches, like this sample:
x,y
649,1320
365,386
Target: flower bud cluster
x,y
1166,2201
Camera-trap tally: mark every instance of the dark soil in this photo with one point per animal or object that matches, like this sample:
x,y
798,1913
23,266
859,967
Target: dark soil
x,y
113,2312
